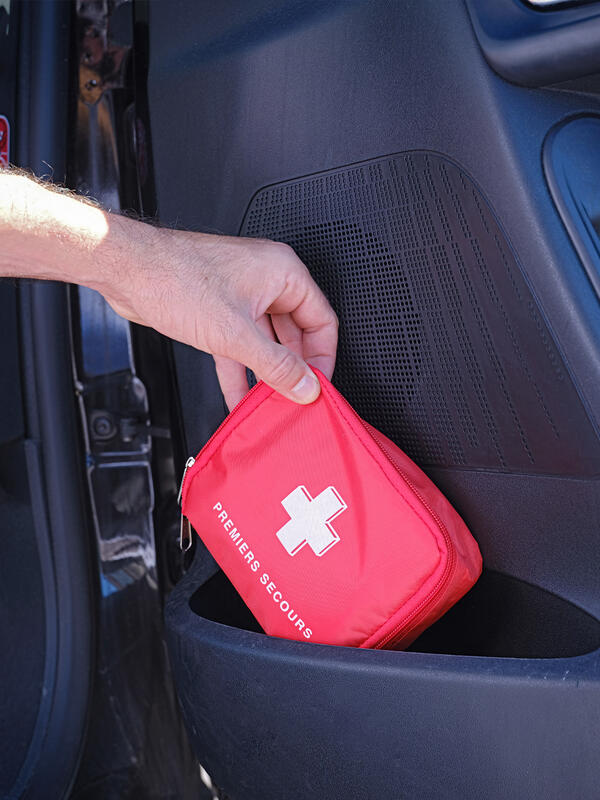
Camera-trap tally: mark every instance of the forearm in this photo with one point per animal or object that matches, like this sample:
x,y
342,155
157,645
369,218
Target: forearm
x,y
248,302
56,236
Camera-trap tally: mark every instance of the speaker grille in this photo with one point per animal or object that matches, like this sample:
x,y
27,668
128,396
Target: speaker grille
x,y
442,344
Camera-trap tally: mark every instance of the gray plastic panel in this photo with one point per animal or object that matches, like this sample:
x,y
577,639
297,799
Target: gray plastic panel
x,y
442,345
272,719
572,168
296,90
539,45
244,96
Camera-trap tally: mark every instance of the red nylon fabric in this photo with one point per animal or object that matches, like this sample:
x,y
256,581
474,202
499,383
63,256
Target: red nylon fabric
x,y
328,531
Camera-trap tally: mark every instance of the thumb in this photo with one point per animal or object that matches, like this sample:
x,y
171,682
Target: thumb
x,y
280,368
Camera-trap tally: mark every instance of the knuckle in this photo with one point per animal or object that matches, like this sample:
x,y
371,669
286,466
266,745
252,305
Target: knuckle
x,y
283,252
258,241
283,248
283,369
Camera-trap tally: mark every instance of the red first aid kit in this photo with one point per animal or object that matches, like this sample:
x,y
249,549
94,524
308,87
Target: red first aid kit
x,y
329,532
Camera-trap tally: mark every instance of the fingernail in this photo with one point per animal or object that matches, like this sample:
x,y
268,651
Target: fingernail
x,y
307,389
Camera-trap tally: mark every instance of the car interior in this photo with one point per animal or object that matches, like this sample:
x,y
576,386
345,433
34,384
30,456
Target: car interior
x,y
436,166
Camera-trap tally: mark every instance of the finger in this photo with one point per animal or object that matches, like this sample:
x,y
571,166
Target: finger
x,y
313,315
232,375
276,365
232,379
316,350
319,347
264,325
288,333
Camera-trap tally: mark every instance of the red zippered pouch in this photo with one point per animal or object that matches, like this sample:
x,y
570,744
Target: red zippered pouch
x,y
329,532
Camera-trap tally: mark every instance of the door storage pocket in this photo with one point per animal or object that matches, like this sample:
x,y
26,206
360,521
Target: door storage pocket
x,y
501,617
274,718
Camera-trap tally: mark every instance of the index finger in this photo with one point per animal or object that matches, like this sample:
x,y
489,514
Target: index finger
x,y
308,307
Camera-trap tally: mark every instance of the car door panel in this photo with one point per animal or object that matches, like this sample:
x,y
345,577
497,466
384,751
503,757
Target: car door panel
x,y
378,141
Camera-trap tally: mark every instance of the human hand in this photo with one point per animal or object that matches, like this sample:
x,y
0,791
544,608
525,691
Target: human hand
x,y
248,302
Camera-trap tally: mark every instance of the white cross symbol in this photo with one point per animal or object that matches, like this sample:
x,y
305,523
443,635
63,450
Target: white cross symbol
x,y
311,520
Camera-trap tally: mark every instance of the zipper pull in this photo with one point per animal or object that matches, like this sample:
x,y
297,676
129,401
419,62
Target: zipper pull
x,y
185,529
189,463
185,534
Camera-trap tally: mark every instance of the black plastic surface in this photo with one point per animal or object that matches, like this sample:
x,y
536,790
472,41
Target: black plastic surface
x,y
284,93
11,418
136,745
22,617
500,616
442,345
53,657
246,96
354,102
572,166
538,46
272,718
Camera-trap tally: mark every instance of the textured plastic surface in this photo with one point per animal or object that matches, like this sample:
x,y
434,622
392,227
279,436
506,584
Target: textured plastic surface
x,y
442,344
535,47
244,96
572,167
327,529
290,720
364,94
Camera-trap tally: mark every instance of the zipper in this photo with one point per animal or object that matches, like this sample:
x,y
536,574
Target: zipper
x,y
189,463
185,528
412,620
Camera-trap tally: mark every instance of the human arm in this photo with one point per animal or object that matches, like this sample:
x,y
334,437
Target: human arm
x,y
229,296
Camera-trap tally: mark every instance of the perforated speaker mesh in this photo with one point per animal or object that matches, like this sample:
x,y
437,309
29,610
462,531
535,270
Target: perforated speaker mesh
x,y
442,345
